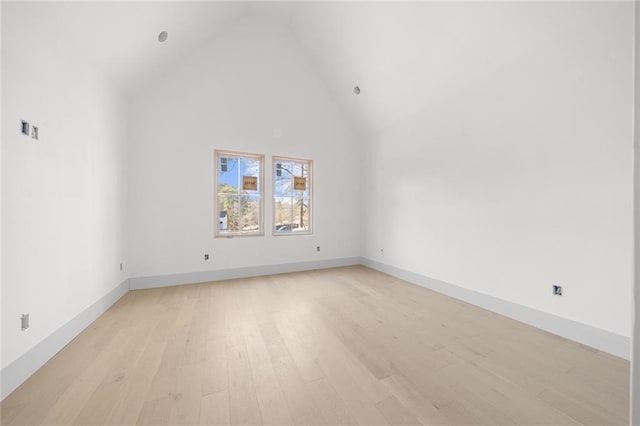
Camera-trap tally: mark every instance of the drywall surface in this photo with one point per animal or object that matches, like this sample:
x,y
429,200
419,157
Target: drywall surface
x,y
635,338
64,195
521,177
1,126
249,90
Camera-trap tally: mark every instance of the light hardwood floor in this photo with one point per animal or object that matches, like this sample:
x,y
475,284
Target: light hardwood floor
x,y
339,346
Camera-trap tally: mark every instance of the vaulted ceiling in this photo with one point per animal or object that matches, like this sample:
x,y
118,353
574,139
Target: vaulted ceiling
x,y
405,56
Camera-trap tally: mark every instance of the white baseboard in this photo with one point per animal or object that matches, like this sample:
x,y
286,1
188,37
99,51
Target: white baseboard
x,y
603,340
140,283
14,374
21,369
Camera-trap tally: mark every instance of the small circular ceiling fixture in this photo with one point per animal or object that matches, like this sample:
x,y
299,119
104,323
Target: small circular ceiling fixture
x,y
162,37
356,90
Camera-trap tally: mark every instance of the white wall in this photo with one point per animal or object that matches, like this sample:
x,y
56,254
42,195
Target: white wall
x,y
521,178
635,338
250,90
1,129
64,196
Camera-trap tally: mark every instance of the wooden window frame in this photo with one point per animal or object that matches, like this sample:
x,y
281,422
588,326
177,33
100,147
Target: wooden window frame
x,y
274,160
216,210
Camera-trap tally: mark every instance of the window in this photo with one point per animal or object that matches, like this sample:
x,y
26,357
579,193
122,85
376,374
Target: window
x,y
291,196
238,201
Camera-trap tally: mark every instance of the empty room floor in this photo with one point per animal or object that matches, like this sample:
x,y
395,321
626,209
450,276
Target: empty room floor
x,y
336,346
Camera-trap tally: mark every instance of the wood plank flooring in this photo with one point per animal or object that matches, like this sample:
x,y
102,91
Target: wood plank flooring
x,y
337,346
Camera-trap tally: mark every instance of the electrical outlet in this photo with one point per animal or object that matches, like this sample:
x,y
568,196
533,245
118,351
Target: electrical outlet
x,y
557,290
24,322
206,256
34,132
318,248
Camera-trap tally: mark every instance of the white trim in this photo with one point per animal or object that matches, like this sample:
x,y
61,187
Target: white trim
x,y
634,388
21,369
16,373
140,283
603,340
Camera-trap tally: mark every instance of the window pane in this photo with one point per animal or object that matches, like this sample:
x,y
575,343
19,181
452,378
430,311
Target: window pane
x,y
283,179
228,213
283,212
301,214
228,176
250,211
298,169
250,167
